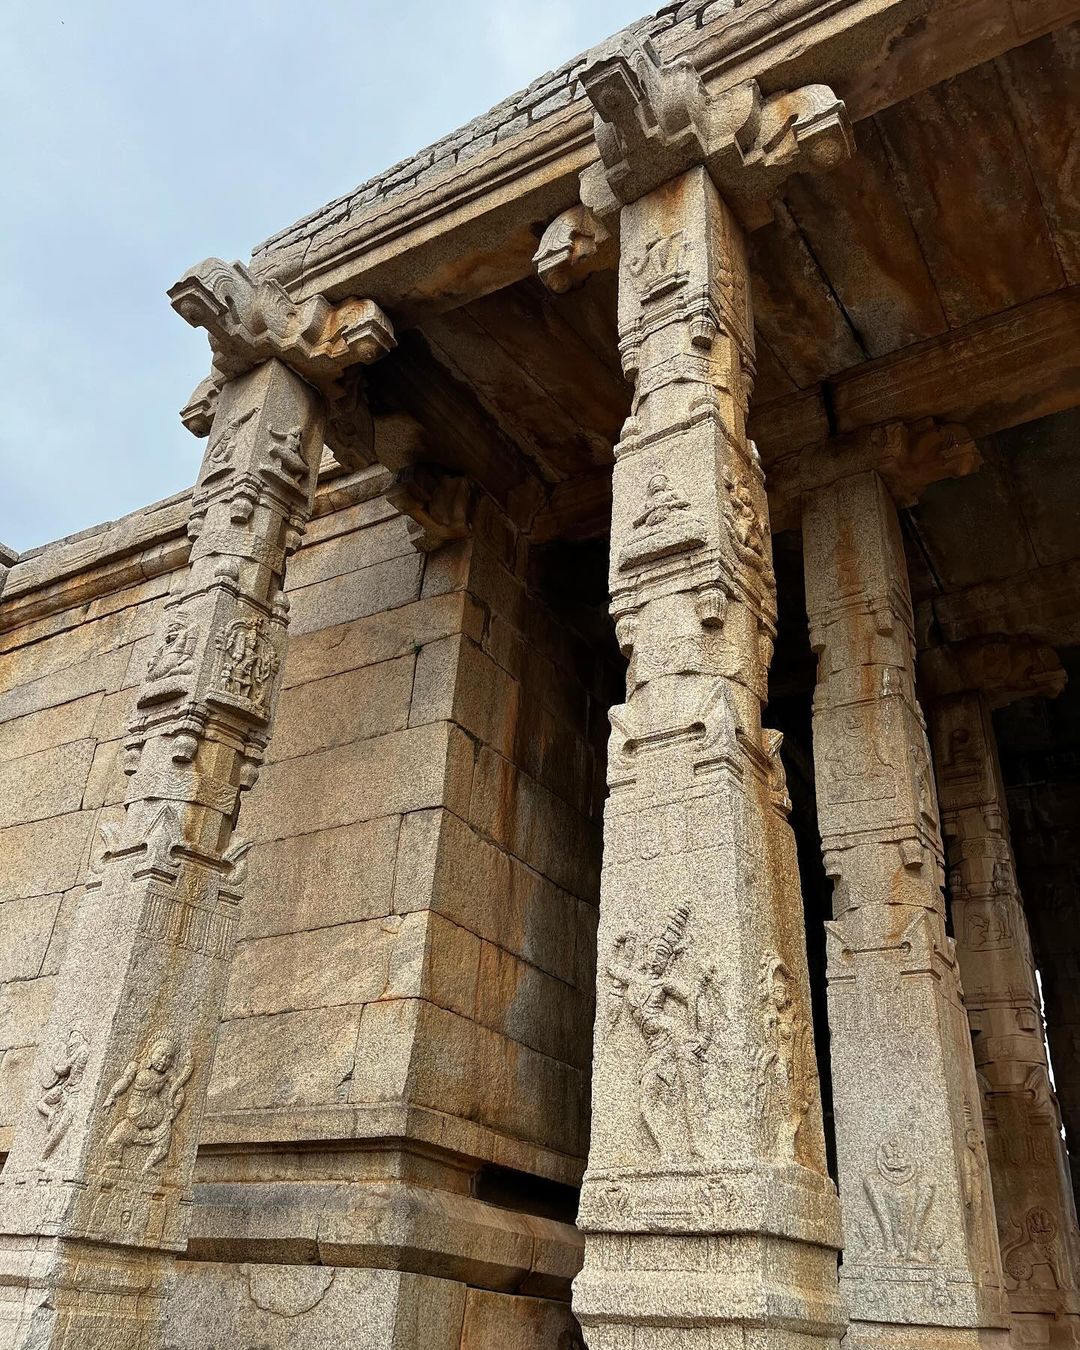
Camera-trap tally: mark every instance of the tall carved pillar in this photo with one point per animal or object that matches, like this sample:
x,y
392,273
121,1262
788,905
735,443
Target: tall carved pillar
x,y
95,1196
1031,1184
708,1212
920,1264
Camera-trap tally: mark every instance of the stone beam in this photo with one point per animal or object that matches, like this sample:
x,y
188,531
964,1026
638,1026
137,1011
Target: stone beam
x,y
96,1195
1042,603
907,458
470,231
994,374
1001,669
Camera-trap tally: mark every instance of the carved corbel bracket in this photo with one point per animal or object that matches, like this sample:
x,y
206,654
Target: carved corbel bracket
x,y
907,456
575,244
654,120
439,504
250,320
1002,669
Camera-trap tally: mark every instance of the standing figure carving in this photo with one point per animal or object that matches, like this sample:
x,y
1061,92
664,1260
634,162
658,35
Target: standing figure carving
x,y
62,1083
677,1025
785,1070
155,1091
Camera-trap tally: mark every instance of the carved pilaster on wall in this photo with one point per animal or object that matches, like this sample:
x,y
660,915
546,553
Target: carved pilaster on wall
x,y
97,1188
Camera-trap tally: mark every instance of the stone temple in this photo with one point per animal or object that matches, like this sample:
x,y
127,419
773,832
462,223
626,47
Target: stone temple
x,y
568,835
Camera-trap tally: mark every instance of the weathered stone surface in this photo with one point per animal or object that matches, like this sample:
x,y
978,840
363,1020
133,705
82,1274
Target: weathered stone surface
x,y
218,1307
45,855
383,586
26,927
341,709
517,1324
324,878
285,1059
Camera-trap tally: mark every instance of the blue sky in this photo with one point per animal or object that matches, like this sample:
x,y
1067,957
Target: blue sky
x,y
140,138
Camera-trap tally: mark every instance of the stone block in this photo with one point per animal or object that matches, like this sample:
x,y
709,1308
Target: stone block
x,y
287,1059
26,928
46,783
376,637
456,680
445,865
535,825
220,1306
436,960
386,775
534,1008
337,555
511,1322
90,676
346,964
24,1009
315,880
385,586
350,519
44,856
27,664
50,727
410,1050
106,784
342,708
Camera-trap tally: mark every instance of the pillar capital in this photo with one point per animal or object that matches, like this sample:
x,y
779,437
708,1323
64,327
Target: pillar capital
x,y
1002,669
653,120
251,319
907,456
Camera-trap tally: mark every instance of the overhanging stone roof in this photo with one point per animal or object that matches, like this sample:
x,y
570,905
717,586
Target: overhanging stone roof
x,y
549,93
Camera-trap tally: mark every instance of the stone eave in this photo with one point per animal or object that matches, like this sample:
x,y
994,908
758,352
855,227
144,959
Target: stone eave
x,y
473,230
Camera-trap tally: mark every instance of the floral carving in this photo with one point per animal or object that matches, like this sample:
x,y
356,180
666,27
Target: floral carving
x,y
901,1205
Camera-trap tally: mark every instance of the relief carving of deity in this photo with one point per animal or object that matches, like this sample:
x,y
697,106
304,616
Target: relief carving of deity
x,y
665,525
154,1091
288,450
221,452
176,655
62,1083
901,1206
248,663
1031,1253
856,767
676,1022
786,1070
747,530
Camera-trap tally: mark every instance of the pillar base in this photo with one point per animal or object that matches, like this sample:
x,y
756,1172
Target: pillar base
x,y
692,1291
60,1294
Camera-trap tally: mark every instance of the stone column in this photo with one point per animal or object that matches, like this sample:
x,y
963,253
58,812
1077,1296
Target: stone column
x,y
1031,1184
920,1264
96,1193
708,1213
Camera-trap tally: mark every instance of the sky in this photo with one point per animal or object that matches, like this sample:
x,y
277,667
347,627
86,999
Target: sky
x,y
140,138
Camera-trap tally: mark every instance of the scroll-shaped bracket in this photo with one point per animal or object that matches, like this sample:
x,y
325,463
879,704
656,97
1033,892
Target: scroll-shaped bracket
x,y
438,503
250,320
575,244
654,120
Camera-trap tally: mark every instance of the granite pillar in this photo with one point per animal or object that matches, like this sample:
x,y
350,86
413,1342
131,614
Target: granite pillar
x,y
1029,1169
920,1264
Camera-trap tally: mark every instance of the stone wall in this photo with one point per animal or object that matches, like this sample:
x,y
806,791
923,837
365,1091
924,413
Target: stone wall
x,y
410,997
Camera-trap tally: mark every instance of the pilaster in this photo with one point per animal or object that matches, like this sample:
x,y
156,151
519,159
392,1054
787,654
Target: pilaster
x,y
96,1193
920,1263
1032,1189
708,1213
